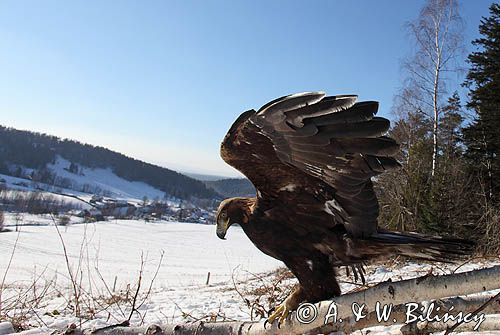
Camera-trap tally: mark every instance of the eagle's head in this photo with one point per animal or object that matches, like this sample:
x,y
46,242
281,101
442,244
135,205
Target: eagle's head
x,y
231,211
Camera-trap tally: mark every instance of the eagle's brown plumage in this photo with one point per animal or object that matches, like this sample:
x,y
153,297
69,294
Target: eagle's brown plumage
x,y
311,159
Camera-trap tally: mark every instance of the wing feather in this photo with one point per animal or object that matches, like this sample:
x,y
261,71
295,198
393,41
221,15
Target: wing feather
x,y
326,146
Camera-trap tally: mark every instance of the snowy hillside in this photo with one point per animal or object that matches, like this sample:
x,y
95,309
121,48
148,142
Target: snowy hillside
x,y
104,179
89,181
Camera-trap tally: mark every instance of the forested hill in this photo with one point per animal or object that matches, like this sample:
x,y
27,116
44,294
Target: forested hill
x,y
34,151
232,187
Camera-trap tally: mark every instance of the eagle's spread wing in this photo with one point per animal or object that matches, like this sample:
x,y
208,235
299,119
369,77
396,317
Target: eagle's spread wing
x,y
319,152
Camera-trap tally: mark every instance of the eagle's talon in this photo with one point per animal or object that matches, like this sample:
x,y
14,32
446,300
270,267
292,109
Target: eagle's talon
x,y
281,313
284,316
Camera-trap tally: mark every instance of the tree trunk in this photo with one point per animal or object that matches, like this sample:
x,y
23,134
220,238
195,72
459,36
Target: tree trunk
x,y
435,97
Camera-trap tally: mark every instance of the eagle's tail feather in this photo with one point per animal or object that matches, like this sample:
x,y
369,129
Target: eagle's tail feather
x,y
424,247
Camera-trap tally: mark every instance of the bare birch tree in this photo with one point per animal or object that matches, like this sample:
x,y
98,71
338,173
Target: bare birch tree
x,y
438,37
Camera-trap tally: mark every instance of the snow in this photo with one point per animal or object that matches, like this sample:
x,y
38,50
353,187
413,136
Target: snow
x,y
179,290
115,248
191,250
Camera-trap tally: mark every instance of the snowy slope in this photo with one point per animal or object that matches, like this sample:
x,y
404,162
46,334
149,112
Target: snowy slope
x,y
106,180
91,179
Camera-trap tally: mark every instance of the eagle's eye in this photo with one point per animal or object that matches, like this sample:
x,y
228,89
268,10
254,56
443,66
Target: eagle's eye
x,y
223,215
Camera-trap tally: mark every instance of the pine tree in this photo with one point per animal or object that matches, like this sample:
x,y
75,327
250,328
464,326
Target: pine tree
x,y
401,192
482,137
447,205
450,125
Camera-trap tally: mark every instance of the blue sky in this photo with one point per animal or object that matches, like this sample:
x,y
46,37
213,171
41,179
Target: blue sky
x,y
162,81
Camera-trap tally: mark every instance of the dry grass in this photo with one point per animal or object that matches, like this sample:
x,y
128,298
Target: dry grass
x,y
262,293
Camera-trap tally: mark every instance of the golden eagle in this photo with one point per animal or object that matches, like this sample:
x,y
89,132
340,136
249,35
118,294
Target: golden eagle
x,y
311,158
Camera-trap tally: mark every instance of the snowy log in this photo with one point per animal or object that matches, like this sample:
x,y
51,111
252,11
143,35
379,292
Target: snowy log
x,y
426,288
412,290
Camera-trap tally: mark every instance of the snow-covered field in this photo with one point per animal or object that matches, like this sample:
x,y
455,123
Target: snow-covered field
x,y
190,250
113,249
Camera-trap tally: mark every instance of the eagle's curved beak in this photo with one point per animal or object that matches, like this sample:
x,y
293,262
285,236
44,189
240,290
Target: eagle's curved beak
x,y
222,226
